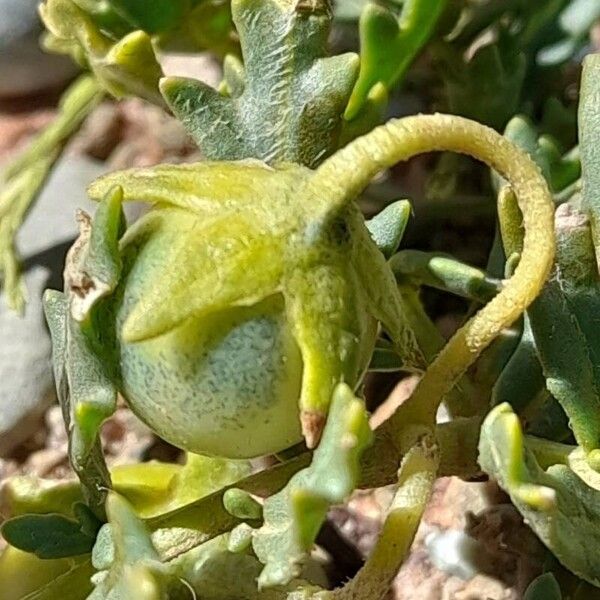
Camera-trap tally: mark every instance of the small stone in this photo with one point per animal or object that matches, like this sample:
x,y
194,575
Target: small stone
x,y
25,68
27,387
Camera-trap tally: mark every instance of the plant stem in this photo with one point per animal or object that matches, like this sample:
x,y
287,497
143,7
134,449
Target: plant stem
x,y
340,178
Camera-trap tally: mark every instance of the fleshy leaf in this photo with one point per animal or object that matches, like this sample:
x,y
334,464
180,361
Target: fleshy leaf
x,y
522,379
560,507
52,535
387,228
153,17
380,289
563,327
293,517
127,67
289,106
560,170
389,43
575,22
589,130
544,587
87,396
416,477
486,85
444,273
126,550
241,505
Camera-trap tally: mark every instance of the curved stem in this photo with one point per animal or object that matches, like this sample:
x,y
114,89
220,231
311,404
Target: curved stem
x,y
340,178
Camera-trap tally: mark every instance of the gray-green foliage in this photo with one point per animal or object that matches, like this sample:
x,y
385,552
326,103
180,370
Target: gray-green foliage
x,y
556,486
284,101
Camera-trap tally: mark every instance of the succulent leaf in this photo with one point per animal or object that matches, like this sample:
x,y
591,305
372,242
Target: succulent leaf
x,y
51,536
389,43
444,273
154,17
575,20
562,317
485,86
125,550
294,516
286,103
589,130
127,67
559,170
387,227
543,587
553,499
416,477
522,380
87,396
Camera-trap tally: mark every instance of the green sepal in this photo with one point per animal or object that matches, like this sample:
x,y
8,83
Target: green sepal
x,y
389,44
93,267
286,103
51,536
207,188
387,227
293,517
560,506
127,67
108,225
26,577
87,396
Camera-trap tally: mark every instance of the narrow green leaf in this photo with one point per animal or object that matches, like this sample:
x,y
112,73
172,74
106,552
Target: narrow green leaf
x,y
389,44
558,504
294,516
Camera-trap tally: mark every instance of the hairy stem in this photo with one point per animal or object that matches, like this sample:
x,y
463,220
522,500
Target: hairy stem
x,y
344,175
341,178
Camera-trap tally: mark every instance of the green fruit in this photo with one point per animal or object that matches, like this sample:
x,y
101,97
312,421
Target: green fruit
x,y
225,384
